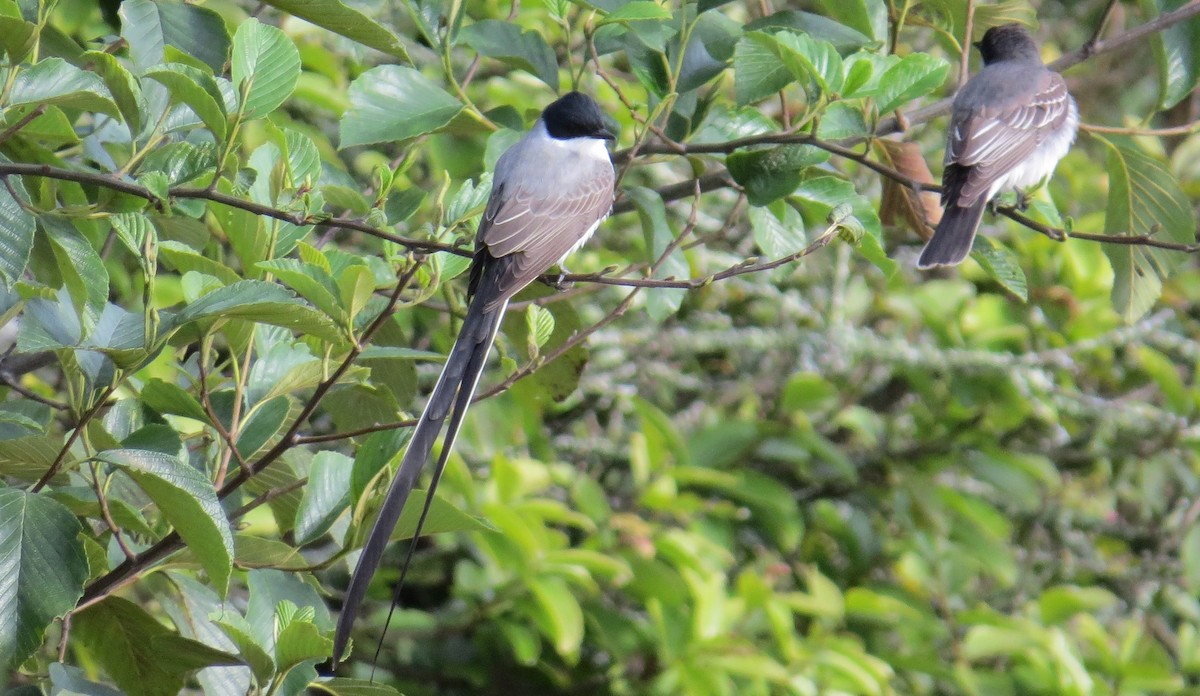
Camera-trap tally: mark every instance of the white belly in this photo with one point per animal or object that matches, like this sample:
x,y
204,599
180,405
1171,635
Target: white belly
x,y
1040,164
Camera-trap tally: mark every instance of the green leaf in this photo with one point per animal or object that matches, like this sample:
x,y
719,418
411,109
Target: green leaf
x,y
182,162
869,17
17,38
821,194
311,282
1002,265
841,36
300,642
121,85
55,81
17,228
1176,52
192,613
195,30
265,67
843,120
345,21
326,496
356,286
559,378
558,615
770,174
1143,199
983,642
540,323
69,680
443,517
393,103
263,424
637,11
708,51
28,457
185,259
757,71
658,235
51,128
778,229
376,452
197,90
245,230
252,652
270,587
340,686
81,268
1057,604
399,353
42,570
260,301
506,42
141,654
171,399
915,76
808,57
256,552
189,502
952,15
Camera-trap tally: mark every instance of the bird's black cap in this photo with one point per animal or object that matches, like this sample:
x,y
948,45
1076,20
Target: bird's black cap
x,y
1008,42
575,115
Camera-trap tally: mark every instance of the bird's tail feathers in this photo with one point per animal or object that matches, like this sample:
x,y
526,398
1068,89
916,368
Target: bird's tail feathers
x,y
455,388
951,241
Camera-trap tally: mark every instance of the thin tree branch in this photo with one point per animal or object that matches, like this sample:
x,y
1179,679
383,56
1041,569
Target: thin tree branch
x,y
267,496
206,402
191,192
13,366
87,417
964,65
25,121
106,514
1186,129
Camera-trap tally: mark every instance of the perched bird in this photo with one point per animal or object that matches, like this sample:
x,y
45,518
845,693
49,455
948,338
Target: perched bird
x,y
550,192
1010,126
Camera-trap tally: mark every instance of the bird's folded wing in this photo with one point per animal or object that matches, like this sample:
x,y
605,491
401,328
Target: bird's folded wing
x,y
541,226
993,140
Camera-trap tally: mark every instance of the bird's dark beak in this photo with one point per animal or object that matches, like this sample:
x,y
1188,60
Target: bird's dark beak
x,y
978,44
605,134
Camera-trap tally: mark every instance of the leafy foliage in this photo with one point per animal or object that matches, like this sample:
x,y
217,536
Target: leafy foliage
x,y
758,454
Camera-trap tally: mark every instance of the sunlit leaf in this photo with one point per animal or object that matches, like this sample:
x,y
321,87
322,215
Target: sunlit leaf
x,y
266,66
392,103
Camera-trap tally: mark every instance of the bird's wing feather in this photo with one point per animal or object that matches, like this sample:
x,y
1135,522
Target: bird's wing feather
x,y
991,141
540,225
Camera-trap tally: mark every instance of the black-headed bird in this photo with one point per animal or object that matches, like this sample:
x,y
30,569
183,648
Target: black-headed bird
x,y
1010,126
550,191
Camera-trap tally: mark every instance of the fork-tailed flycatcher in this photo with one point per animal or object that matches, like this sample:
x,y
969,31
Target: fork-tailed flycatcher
x,y
1010,126
549,193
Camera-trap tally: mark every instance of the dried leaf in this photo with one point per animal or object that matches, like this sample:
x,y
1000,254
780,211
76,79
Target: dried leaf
x,y
900,204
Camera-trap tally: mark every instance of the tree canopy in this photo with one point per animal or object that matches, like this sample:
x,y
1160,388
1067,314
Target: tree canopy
x,y
749,450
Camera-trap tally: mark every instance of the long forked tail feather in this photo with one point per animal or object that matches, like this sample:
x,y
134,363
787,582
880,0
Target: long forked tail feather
x,y
951,241
454,389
